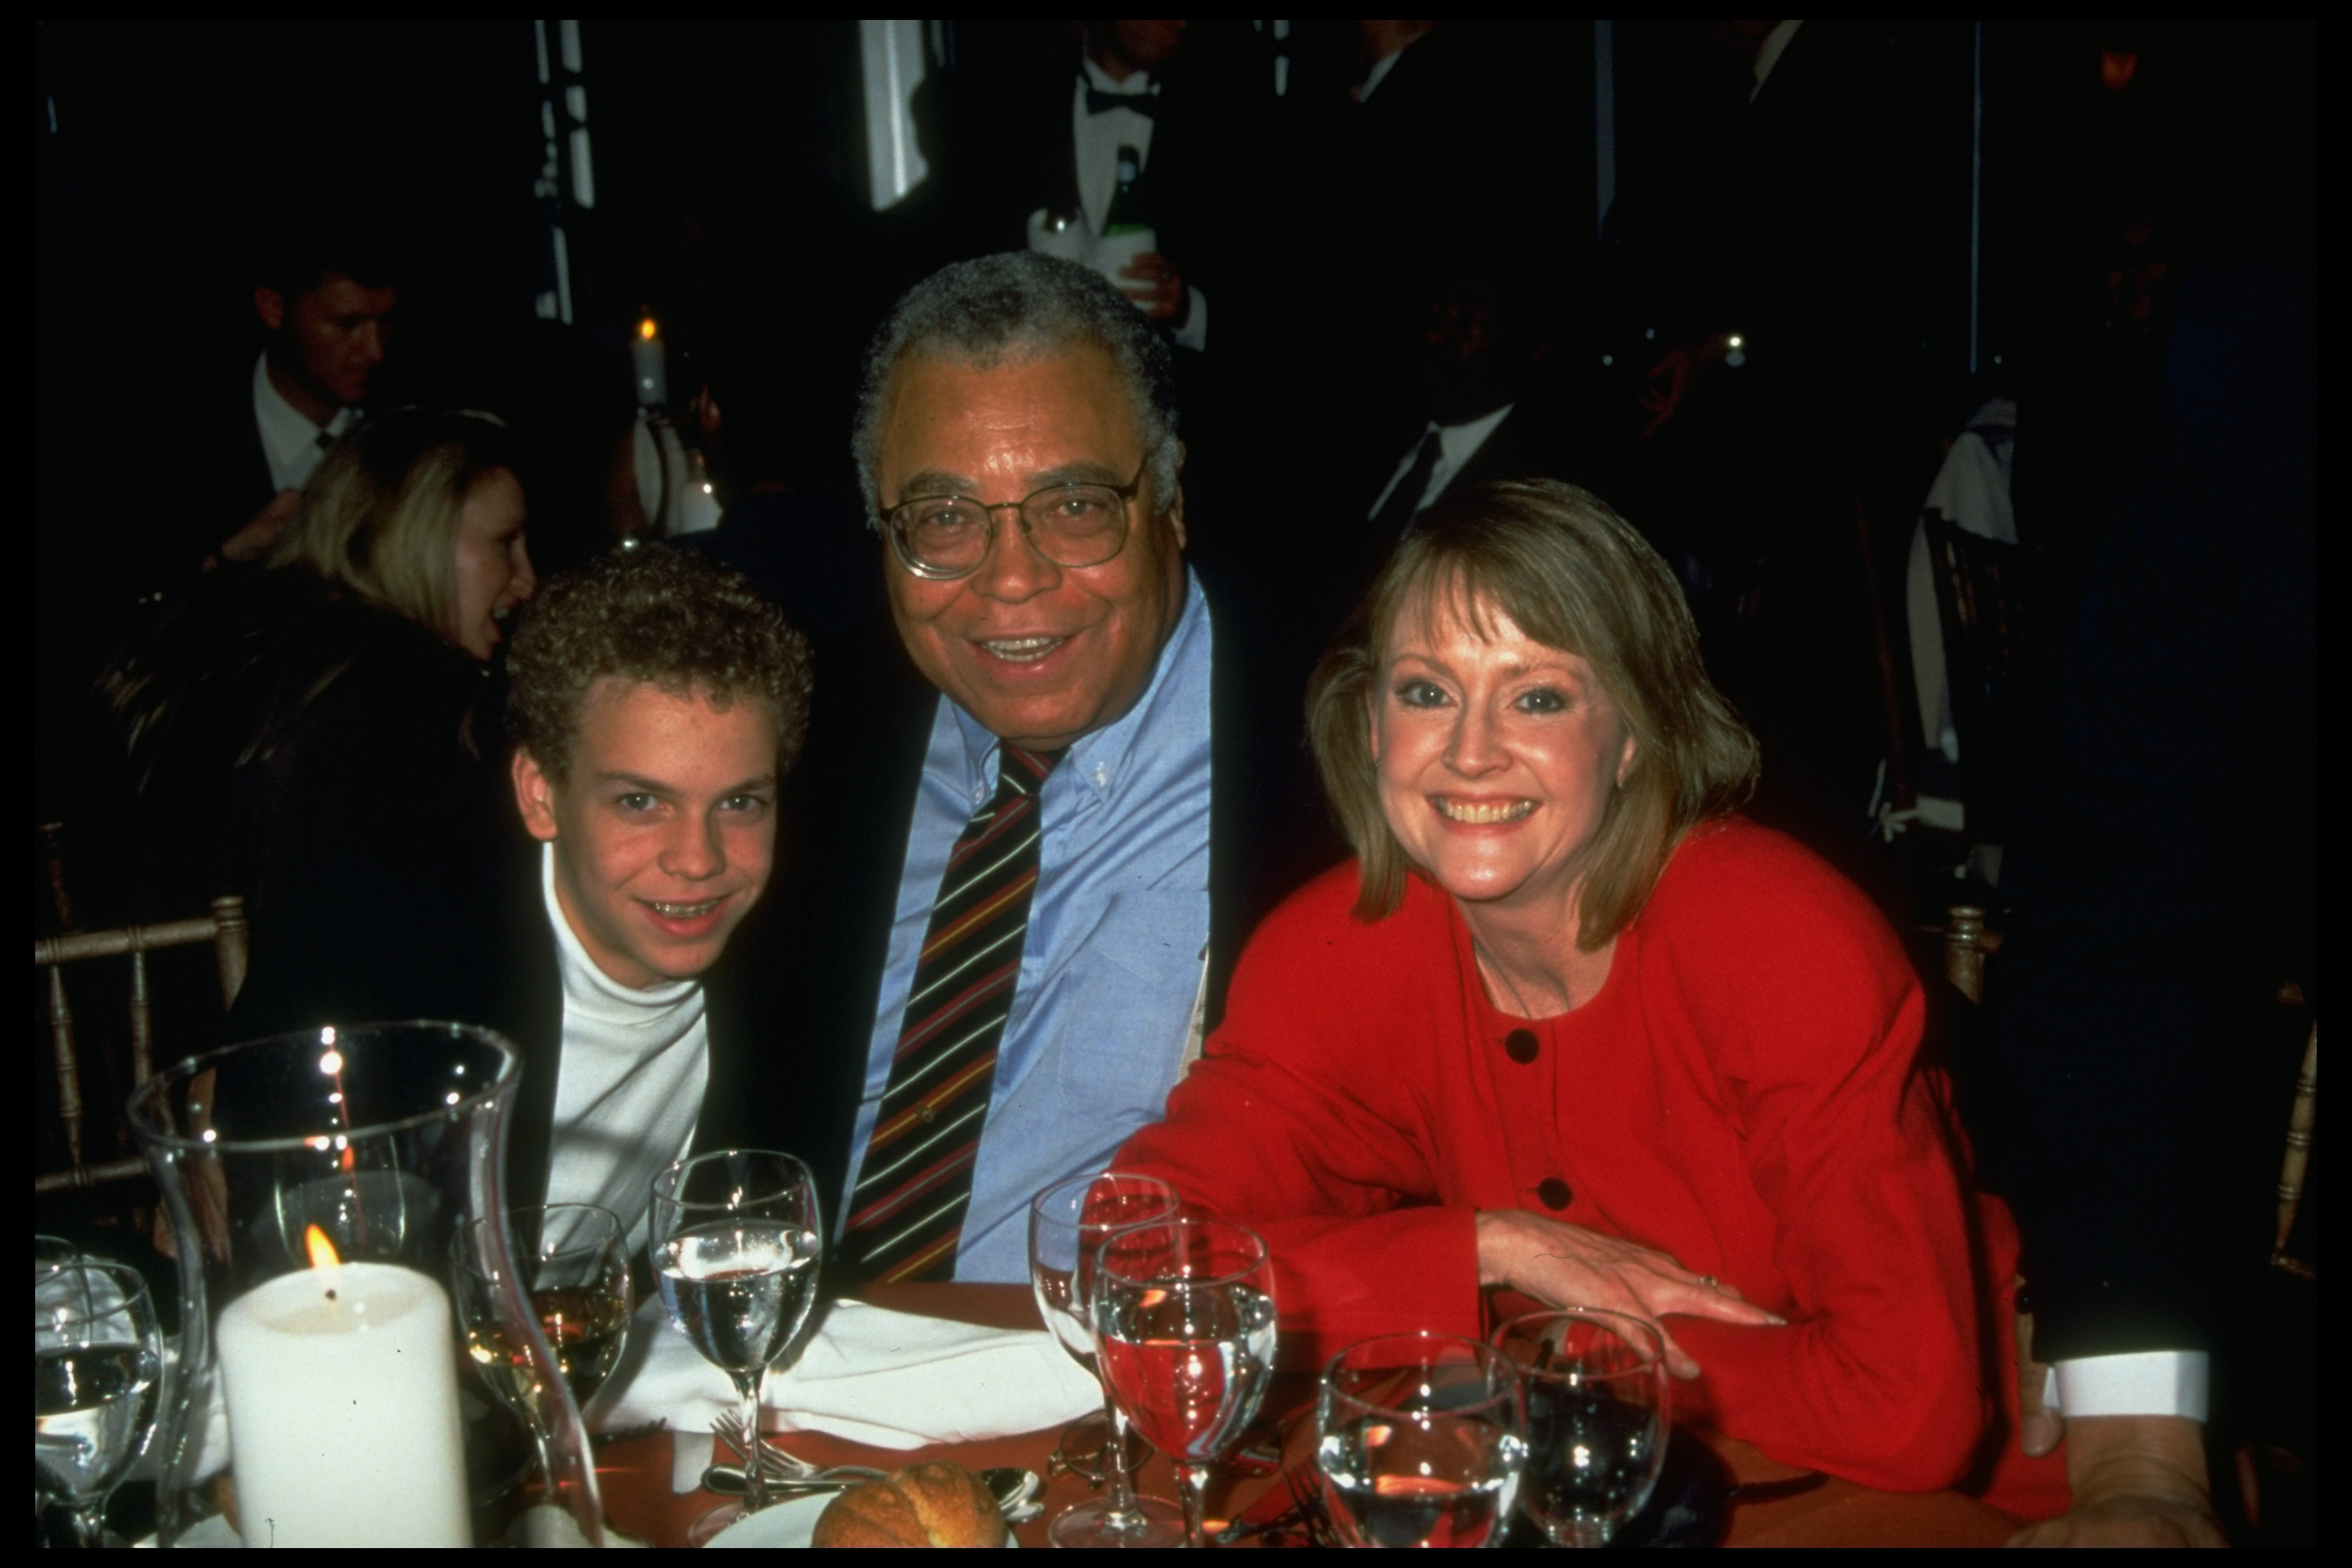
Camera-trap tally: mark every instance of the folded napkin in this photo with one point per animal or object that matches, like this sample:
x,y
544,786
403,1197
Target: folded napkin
x,y
890,1380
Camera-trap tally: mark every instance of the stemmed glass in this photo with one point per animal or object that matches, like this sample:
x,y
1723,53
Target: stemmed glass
x,y
736,1235
98,1375
1598,1417
1419,1441
573,1264
1184,1329
1067,1224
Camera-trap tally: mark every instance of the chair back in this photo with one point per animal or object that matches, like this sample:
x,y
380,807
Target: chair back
x,y
225,928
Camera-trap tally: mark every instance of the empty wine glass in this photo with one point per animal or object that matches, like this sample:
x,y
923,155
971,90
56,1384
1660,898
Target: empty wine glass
x,y
1598,1416
737,1234
1067,1224
1418,1439
98,1375
1185,1333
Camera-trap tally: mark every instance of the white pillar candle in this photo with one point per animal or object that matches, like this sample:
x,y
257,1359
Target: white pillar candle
x,y
342,1410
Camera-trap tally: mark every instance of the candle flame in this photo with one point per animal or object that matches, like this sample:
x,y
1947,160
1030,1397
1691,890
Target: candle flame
x,y
646,328
322,1251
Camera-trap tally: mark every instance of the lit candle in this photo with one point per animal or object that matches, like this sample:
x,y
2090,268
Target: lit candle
x,y
653,373
342,1407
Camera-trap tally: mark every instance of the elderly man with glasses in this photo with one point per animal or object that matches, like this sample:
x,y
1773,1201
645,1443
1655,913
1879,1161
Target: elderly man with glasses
x,y
1037,984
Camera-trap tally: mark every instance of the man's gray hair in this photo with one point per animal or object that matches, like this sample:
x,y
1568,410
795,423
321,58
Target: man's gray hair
x,y
1015,306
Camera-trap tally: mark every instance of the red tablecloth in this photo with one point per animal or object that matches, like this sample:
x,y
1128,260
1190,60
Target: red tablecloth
x,y
635,1475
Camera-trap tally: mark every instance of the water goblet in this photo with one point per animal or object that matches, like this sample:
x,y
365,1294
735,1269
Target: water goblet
x,y
737,1234
1598,1417
1419,1441
1067,1225
97,1376
1184,1334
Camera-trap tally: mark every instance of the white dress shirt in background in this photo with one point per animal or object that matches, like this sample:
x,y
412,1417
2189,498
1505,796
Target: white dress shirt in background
x,y
288,439
1456,444
628,1084
1096,139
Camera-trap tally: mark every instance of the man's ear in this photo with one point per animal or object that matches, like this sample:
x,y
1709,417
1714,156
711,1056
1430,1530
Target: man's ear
x,y
1175,515
270,306
534,796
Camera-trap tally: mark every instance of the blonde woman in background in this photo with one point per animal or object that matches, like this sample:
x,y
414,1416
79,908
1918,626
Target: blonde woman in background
x,y
320,734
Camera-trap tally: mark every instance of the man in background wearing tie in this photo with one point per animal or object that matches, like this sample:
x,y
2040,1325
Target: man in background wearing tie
x,y
325,303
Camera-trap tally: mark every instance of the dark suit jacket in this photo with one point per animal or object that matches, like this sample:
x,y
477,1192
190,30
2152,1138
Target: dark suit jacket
x,y
2164,873
812,973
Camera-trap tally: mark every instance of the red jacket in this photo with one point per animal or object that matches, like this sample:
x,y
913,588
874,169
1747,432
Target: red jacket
x,y
1744,1093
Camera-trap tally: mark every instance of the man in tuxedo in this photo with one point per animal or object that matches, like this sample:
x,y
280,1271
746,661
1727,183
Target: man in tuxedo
x,y
2161,976
1055,136
657,703
997,956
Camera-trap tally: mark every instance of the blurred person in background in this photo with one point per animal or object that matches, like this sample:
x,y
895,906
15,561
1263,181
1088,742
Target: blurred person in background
x,y
320,735
325,300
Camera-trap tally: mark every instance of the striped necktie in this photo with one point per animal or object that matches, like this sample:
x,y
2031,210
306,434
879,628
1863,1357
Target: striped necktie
x,y
906,1215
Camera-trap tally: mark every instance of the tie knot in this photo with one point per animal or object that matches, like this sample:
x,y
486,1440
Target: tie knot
x,y
1022,768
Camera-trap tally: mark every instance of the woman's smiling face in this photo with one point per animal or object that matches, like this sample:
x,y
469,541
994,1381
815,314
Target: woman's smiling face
x,y
1497,755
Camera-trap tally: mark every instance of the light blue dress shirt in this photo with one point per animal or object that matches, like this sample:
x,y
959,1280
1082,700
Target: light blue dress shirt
x,y
1112,967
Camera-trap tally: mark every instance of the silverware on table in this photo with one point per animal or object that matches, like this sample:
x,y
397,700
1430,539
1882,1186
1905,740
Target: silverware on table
x,y
1016,1491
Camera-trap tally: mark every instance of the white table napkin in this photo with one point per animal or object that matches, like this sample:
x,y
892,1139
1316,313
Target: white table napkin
x,y
891,1380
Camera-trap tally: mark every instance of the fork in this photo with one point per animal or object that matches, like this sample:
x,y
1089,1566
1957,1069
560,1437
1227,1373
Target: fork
x,y
776,1463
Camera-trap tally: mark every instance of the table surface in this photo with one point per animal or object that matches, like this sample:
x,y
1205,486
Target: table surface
x,y
1798,1508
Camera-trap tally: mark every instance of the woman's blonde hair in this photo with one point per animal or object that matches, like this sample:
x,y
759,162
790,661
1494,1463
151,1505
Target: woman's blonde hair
x,y
380,516
1571,575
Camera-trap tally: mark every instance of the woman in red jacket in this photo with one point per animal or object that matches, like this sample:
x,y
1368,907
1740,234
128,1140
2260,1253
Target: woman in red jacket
x,y
1569,1027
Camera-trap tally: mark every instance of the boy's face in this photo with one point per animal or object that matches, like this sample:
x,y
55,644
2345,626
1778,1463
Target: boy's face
x,y
665,826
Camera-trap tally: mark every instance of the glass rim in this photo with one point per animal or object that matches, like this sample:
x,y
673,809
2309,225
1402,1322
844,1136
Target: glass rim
x,y
1103,1269
1649,1346
1493,1359
1037,1199
675,1168
140,1109
507,1217
122,1273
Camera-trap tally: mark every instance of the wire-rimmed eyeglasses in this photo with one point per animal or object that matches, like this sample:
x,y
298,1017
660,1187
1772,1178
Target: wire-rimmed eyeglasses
x,y
945,537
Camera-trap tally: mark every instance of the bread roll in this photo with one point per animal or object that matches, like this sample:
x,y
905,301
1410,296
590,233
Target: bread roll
x,y
929,1504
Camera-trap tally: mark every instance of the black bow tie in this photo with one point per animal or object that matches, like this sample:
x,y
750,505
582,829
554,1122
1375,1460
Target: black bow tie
x,y
1100,102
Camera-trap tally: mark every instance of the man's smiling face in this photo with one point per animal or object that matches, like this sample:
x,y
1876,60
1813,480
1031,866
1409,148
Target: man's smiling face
x,y
1040,654
664,824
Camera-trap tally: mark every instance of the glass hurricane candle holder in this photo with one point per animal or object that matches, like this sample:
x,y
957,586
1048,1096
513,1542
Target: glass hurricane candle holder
x,y
320,1188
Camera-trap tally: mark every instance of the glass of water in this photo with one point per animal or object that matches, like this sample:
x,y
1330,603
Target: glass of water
x,y
736,1238
1598,1416
98,1375
1419,1440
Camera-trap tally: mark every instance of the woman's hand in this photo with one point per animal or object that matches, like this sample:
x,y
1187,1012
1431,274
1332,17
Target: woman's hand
x,y
1568,1266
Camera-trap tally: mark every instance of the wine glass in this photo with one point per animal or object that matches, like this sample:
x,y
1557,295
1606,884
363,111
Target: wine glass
x,y
574,1263
737,1234
1185,1333
1067,1224
571,1262
1598,1416
97,1376
1419,1441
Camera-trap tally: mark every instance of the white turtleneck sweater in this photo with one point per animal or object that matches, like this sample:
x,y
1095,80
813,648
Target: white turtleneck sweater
x,y
628,1088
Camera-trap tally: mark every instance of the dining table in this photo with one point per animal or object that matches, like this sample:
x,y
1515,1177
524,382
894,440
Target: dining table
x,y
1771,1504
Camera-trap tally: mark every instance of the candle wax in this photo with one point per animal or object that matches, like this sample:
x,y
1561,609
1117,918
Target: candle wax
x,y
342,1410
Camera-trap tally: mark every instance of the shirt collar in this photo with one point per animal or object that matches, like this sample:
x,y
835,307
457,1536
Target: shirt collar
x,y
1100,758
285,430
1458,441
1136,84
